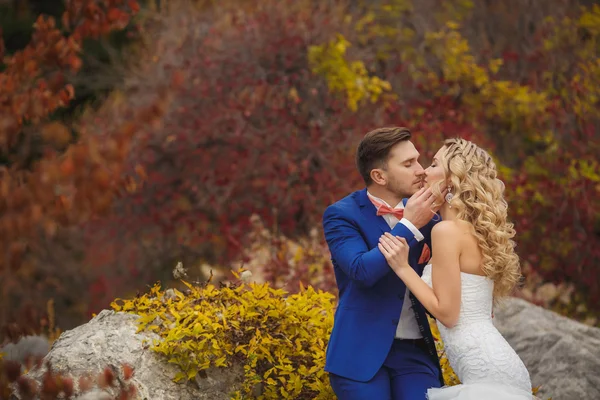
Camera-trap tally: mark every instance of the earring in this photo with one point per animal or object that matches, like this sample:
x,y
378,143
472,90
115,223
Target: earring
x,y
448,198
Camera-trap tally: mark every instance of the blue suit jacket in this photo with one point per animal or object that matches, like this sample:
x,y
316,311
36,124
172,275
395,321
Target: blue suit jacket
x,y
370,293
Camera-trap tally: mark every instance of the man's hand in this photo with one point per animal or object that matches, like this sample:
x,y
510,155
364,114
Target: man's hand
x,y
421,207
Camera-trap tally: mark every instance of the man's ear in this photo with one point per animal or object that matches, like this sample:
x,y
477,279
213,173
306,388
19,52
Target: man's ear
x,y
379,176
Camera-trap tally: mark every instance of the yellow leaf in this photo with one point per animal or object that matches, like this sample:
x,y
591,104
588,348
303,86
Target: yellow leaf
x,y
179,376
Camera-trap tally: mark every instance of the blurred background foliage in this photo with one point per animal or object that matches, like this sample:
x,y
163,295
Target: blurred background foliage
x,y
137,134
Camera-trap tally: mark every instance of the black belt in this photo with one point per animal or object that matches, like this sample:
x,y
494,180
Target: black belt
x,y
414,342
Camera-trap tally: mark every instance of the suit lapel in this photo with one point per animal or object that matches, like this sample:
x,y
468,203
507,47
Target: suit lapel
x,y
369,212
415,252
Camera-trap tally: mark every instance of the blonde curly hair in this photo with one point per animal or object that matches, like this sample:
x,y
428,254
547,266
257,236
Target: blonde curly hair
x,y
478,197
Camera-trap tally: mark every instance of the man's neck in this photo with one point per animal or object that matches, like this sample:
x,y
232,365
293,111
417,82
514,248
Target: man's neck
x,y
385,195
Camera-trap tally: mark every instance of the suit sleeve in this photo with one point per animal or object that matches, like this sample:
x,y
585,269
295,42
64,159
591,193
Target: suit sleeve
x,y
349,249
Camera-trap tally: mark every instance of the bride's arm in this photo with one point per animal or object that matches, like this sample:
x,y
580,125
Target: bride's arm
x,y
443,301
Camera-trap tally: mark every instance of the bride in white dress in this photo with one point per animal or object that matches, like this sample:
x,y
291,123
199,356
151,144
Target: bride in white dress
x,y
473,265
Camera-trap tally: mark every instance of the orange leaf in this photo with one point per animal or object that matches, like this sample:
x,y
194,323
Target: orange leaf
x,y
141,172
50,228
177,79
127,372
56,134
134,6
66,167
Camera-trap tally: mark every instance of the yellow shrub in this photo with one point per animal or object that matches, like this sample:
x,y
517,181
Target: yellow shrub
x,y
350,78
280,340
502,100
450,377
575,78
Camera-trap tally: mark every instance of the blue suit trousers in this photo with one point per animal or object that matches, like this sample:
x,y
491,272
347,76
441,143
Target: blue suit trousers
x,y
406,374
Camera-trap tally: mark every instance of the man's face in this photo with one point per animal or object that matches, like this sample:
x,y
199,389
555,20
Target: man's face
x,y
403,174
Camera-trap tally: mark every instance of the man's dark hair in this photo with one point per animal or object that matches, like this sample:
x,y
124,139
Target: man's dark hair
x,y
374,149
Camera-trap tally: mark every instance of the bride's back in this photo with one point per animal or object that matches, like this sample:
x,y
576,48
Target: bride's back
x,y
470,253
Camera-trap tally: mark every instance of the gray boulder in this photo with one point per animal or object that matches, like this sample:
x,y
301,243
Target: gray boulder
x,y
562,355
110,339
27,346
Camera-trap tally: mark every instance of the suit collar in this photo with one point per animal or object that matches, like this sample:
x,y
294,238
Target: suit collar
x,y
369,211
363,199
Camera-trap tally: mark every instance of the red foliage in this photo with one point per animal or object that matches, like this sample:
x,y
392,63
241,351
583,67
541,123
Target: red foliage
x,y
253,131
61,189
560,232
248,128
554,197
54,385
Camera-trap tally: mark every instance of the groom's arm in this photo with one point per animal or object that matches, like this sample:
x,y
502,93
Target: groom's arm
x,y
350,251
418,235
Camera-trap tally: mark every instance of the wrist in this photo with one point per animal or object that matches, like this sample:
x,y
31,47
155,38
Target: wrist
x,y
412,220
414,230
400,268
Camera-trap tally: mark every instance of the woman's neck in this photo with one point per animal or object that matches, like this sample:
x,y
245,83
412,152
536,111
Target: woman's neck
x,y
448,213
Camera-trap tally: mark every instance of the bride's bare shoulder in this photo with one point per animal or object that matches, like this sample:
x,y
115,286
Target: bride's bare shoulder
x,y
446,228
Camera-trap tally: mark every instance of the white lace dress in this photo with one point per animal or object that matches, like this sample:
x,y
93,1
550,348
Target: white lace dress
x,y
485,363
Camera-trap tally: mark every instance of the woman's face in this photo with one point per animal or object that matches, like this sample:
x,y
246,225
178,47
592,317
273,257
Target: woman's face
x,y
435,172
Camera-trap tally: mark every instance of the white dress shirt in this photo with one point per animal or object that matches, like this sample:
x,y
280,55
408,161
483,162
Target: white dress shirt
x,y
407,325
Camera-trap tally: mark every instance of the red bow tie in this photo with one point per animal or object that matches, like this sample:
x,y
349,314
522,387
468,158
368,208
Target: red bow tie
x,y
383,209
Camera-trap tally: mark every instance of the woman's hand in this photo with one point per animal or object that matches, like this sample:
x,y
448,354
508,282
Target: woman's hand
x,y
395,250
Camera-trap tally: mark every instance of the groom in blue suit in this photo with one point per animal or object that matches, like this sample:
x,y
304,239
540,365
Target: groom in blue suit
x,y
381,346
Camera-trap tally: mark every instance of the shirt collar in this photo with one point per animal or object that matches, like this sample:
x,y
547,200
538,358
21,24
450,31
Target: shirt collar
x,y
399,205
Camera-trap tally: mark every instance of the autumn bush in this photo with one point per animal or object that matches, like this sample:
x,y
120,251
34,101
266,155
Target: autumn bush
x,y
42,185
279,341
286,263
258,107
528,87
54,176
530,101
254,130
31,341
54,385
276,340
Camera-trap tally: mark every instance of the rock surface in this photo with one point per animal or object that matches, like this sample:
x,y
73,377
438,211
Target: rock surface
x,y
562,355
27,346
110,339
